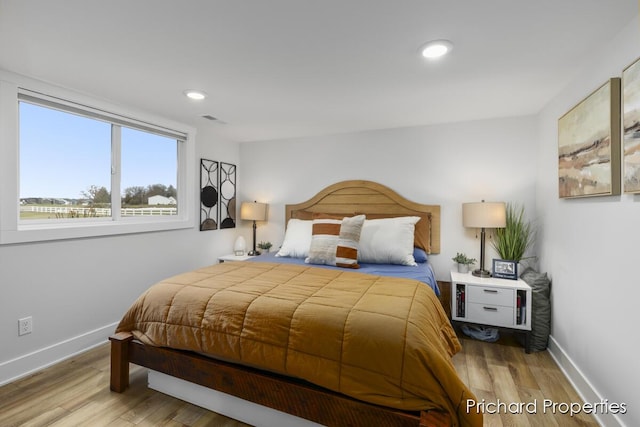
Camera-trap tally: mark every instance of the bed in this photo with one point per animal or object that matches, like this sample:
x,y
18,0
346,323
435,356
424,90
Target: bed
x,y
330,345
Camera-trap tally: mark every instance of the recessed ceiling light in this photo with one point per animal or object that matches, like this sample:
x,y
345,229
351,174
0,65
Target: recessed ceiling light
x,y
436,48
195,94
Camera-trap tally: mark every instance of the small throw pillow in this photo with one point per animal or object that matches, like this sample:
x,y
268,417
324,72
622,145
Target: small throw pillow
x,y
297,239
349,241
335,242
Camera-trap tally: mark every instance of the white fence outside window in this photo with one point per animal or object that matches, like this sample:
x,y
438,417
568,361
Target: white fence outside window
x,y
101,212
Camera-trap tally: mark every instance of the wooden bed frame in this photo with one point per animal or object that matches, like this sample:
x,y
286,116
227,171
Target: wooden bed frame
x,y
282,393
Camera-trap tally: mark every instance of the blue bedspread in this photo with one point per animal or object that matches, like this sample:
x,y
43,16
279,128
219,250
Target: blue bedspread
x,y
422,272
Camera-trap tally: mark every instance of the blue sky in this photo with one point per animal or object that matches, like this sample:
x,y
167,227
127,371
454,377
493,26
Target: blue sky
x,y
62,155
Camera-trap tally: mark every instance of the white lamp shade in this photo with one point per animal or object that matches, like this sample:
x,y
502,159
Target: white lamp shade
x,y
253,211
484,215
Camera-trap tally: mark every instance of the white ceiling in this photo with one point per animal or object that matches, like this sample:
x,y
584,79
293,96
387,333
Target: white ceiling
x,y
287,68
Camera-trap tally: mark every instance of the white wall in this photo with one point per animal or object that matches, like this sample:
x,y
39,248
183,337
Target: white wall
x,y
444,164
590,249
76,290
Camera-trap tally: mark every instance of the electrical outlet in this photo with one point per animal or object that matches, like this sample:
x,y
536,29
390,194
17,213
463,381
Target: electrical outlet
x,y
25,325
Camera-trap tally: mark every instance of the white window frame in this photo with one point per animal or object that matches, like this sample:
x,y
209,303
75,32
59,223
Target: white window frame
x,y
13,230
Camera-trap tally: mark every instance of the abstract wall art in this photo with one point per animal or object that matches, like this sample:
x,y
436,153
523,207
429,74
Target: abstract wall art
x,y
208,195
227,195
631,127
589,145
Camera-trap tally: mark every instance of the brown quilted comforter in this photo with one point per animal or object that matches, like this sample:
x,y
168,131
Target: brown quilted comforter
x,y
378,339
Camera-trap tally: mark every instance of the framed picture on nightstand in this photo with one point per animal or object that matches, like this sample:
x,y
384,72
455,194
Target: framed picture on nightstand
x,y
505,269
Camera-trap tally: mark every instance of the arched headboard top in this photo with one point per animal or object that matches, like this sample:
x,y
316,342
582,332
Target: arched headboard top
x,y
375,200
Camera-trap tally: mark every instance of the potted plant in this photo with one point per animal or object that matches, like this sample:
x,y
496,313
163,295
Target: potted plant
x,y
463,262
265,246
512,241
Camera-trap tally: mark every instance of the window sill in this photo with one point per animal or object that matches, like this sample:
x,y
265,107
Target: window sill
x,y
62,231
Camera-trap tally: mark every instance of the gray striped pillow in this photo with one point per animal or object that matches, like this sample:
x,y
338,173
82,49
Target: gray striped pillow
x,y
335,242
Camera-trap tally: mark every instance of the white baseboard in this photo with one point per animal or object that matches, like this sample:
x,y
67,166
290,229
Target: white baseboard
x,y
30,363
581,383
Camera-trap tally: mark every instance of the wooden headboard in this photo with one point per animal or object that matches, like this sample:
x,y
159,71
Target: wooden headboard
x,y
376,201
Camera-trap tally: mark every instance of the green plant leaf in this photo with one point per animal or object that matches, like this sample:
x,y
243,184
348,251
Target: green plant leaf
x,y
512,241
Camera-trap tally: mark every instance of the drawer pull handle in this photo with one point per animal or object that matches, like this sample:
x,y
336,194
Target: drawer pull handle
x,y
490,308
491,291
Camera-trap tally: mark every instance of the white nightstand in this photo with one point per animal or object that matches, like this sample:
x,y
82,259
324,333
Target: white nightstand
x,y
493,302
232,257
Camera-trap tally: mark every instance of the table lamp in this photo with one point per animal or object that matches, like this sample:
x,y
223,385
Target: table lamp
x,y
483,215
253,211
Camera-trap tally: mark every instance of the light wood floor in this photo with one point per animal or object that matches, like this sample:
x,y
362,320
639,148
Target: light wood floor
x,y
503,371
76,392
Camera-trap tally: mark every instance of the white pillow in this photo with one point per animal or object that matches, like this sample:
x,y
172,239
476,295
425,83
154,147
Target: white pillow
x,y
297,239
388,241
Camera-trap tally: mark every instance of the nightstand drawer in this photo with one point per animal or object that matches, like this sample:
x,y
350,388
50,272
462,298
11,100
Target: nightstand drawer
x,y
489,314
490,295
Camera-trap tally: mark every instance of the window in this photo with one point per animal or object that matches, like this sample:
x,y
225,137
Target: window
x,y
86,171
65,165
149,173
